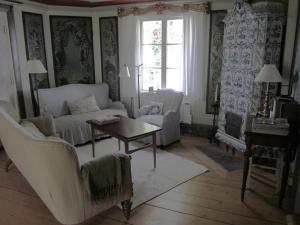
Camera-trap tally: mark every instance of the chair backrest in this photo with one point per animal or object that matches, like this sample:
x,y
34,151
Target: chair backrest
x,y
172,99
51,168
53,100
9,109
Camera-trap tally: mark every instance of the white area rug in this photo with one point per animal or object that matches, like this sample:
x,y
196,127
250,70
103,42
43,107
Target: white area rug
x,y
171,170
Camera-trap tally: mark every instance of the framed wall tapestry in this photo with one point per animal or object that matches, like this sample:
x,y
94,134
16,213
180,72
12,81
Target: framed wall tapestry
x,y
35,49
110,55
72,47
294,88
215,56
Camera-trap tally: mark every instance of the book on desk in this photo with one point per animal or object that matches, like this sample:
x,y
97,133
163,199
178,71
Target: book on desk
x,y
278,126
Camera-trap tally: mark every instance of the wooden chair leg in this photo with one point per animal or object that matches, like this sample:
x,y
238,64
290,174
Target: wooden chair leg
x,y
7,164
126,208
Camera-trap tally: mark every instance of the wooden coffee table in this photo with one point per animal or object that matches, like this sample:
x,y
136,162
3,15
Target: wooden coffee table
x,y
127,130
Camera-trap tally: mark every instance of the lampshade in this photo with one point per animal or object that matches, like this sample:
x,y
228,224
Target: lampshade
x,y
35,66
269,74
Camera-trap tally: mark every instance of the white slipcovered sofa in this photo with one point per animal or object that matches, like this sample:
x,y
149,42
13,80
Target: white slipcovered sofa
x,y
168,120
51,167
73,128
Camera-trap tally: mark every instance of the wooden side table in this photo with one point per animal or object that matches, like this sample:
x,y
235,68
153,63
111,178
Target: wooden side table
x,y
286,142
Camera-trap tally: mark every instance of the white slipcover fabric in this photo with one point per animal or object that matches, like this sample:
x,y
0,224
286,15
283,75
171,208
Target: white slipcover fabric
x,y
53,100
52,169
169,121
73,128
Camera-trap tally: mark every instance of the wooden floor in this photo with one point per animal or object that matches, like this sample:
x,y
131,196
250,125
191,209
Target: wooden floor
x,y
209,199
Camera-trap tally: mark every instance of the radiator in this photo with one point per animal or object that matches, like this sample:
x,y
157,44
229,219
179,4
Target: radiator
x,y
187,113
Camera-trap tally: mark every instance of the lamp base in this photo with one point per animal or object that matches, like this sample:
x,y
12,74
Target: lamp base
x,y
265,112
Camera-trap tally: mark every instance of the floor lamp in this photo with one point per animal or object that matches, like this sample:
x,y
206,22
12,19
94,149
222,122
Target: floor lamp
x,y
35,67
138,80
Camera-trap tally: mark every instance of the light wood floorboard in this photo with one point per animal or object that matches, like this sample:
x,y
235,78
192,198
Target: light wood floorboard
x,y
212,198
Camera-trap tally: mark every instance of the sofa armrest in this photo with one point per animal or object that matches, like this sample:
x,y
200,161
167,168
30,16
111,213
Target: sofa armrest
x,y
116,105
170,117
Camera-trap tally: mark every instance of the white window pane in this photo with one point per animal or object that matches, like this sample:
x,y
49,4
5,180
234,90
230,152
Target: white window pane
x,y
174,56
151,78
152,55
174,31
152,32
175,79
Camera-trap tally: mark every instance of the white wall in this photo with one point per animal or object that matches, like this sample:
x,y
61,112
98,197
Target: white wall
x,y
198,106
8,90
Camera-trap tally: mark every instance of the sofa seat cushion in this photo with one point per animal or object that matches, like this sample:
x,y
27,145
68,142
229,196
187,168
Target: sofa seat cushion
x,y
152,119
75,130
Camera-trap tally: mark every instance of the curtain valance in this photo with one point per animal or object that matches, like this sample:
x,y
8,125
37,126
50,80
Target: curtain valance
x,y
159,8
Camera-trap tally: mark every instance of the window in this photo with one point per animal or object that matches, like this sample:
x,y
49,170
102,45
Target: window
x,y
162,54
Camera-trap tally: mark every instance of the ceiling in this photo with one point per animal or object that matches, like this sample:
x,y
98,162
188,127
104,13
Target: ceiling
x,y
91,3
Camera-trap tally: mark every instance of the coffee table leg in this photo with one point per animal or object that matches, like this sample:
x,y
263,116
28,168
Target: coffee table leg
x,y
93,140
154,148
119,144
126,147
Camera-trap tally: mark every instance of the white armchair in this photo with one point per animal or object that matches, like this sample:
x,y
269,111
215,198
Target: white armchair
x,y
168,120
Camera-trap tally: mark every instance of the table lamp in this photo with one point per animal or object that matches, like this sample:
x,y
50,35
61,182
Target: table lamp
x,y
35,67
268,74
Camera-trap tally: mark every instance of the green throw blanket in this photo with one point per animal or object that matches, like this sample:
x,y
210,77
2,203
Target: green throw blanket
x,y
105,177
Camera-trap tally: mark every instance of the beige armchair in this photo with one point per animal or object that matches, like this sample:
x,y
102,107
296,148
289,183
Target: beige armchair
x,y
51,167
168,119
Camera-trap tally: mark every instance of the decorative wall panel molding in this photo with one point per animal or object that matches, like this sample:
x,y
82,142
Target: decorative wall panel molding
x,y
110,55
35,49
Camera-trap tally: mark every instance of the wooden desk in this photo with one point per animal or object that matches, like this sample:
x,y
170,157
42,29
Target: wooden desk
x,y
287,142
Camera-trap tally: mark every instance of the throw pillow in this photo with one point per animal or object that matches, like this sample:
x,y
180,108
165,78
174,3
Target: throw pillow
x,y
156,108
32,129
84,105
45,124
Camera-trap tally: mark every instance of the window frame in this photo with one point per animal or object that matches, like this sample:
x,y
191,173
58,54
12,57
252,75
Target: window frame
x,y
164,19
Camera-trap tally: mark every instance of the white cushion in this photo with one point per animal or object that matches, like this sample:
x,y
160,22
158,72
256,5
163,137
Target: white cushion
x,y
84,105
32,129
45,124
156,108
